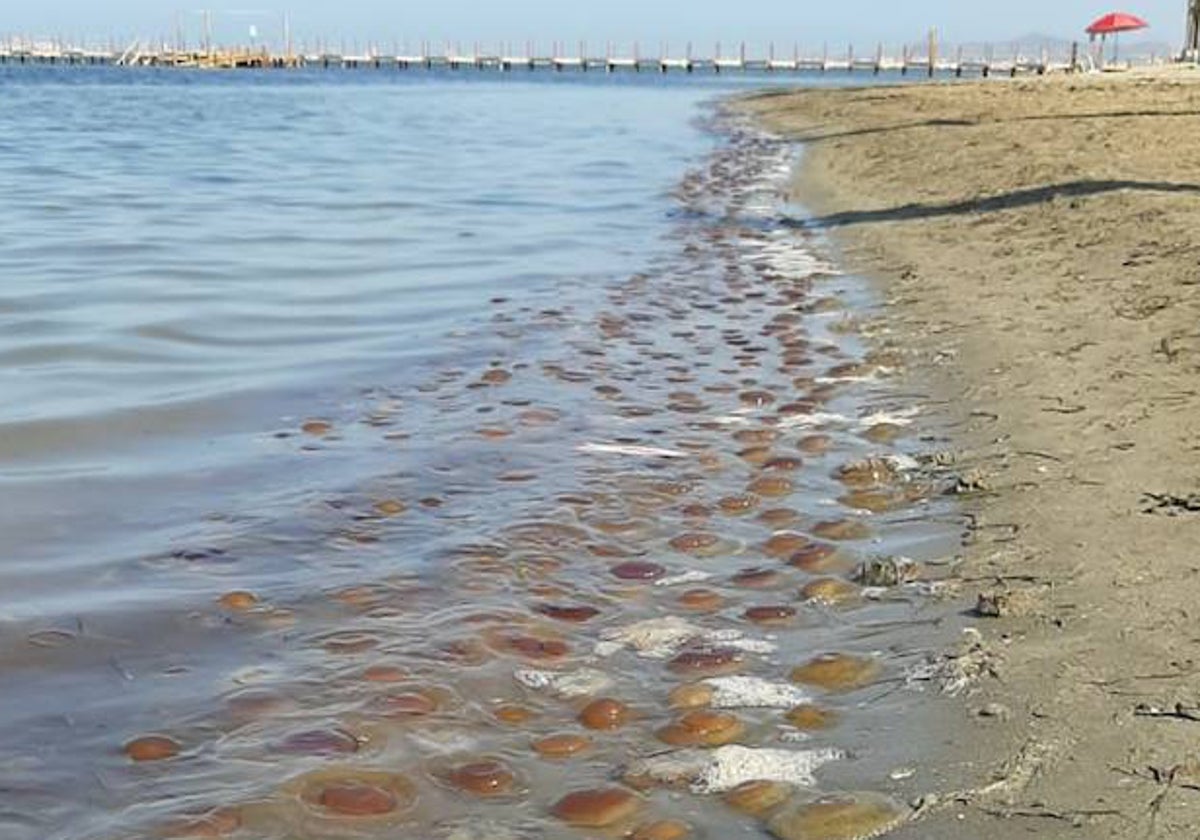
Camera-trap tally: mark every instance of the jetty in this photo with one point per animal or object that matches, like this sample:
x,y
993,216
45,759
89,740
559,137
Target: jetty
x,y
931,61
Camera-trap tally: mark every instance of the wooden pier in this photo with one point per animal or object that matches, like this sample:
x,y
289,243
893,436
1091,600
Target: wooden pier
x,y
907,62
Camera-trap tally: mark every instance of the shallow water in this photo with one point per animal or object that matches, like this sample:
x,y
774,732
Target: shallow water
x,y
317,376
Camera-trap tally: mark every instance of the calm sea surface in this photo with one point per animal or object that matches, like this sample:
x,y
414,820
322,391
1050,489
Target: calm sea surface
x,y
189,262
331,399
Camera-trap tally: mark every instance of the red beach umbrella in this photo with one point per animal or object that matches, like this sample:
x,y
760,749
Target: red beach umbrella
x,y
1115,22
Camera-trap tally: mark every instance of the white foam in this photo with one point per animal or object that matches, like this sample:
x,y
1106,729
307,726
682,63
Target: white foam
x,y
733,639
834,380
443,741
754,693
903,417
694,576
654,638
581,683
902,463
814,420
723,769
630,449
475,829
661,638
732,420
734,765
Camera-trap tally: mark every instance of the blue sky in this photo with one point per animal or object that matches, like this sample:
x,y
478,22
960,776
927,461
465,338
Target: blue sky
x,y
650,21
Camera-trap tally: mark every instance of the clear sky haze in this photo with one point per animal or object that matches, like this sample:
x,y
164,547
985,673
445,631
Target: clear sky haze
x,y
649,21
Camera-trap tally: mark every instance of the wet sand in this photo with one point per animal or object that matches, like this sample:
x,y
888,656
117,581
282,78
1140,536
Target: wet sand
x,y
1037,243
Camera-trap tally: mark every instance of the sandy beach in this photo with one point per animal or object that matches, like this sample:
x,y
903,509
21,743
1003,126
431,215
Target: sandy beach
x,y
1036,240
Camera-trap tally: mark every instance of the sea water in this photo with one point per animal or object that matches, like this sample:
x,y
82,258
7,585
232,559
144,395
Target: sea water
x,y
338,403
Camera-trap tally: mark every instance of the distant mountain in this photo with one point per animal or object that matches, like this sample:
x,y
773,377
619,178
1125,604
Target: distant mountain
x,y
1032,45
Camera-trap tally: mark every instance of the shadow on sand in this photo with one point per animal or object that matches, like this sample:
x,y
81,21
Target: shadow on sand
x,y
992,204
961,123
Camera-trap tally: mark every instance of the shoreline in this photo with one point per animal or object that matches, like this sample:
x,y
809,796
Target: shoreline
x,y
569,526
1032,241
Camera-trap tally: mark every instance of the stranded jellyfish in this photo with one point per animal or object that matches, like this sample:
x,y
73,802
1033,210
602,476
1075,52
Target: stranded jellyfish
x,y
756,437
408,704
496,376
871,472
757,797
837,672
770,615
604,713
707,662
596,808
384,674
842,530
573,613
390,507
702,600
815,557
831,591
152,748
482,778
878,501
756,455
561,746
638,570
258,703
351,793
756,578
514,715
737,505
778,517
756,399
883,433
535,648
842,817
771,487
783,464
238,601
809,717
319,742
349,642
784,544
815,444
702,728
661,830
316,428
691,696
695,542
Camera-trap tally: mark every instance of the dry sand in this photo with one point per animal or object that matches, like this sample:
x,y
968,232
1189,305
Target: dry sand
x,y
1039,245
